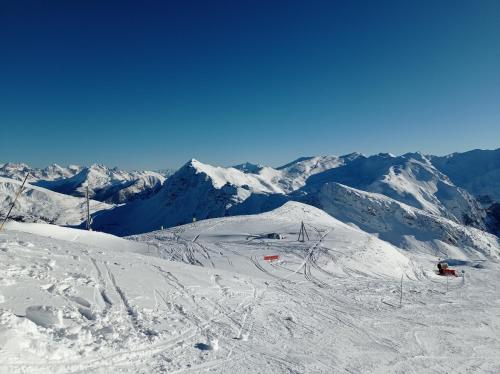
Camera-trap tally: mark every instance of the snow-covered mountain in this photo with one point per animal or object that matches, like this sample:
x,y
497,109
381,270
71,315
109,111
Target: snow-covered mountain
x,y
478,172
72,300
105,184
402,225
38,204
108,185
200,191
410,179
52,172
196,191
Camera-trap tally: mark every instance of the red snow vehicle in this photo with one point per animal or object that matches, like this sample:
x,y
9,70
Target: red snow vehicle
x,y
444,270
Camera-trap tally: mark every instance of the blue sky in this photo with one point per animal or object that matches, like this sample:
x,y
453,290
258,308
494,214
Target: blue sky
x,y
151,84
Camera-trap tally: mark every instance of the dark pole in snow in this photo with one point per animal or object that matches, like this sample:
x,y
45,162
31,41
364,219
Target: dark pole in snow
x,y
401,293
88,209
303,233
14,202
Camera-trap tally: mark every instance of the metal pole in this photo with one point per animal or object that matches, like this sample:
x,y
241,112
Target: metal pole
x,y
14,202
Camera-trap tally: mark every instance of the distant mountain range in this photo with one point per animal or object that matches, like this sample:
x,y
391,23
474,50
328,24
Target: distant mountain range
x,y
105,184
427,198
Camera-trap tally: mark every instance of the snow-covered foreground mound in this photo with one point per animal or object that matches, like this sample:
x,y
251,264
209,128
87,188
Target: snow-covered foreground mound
x,y
90,302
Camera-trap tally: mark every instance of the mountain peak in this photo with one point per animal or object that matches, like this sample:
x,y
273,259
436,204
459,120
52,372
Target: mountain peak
x,y
248,167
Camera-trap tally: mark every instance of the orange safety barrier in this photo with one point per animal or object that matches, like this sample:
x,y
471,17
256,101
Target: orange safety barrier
x,y
271,258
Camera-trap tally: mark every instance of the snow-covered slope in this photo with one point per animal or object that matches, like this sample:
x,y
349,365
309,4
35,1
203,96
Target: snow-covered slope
x,y
295,174
405,226
477,171
38,204
355,250
73,302
410,179
109,185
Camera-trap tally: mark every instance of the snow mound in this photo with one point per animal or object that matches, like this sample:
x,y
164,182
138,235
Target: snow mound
x,y
342,249
93,238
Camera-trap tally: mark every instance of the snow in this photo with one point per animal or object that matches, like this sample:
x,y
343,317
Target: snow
x,y
410,179
200,298
109,185
203,191
404,225
477,171
52,172
105,184
38,204
80,236
220,176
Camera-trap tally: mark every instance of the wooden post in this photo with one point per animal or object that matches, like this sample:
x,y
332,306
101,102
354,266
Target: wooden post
x,y
89,228
401,292
14,202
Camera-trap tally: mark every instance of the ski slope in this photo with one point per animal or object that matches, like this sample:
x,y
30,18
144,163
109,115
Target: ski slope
x,y
200,298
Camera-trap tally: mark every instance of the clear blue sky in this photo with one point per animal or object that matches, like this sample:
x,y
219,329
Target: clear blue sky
x,y
151,84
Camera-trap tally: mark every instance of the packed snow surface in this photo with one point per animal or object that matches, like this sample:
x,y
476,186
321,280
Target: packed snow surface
x,y
201,298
